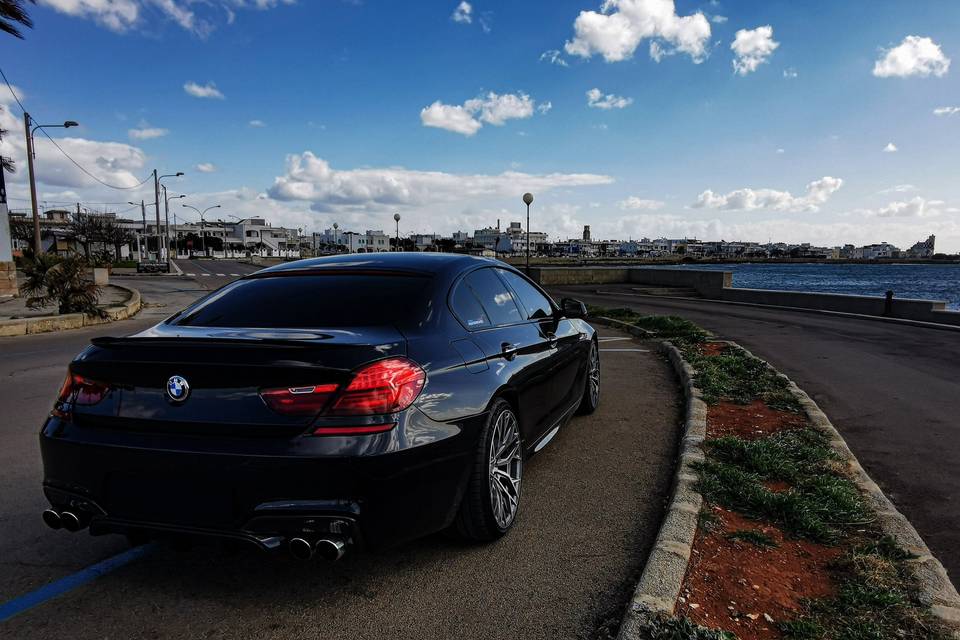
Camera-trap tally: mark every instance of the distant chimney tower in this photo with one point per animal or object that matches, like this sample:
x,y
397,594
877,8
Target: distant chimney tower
x,y
586,233
498,224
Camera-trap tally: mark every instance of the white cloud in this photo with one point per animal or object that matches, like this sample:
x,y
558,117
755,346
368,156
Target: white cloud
x,y
544,107
899,188
817,193
621,25
208,90
718,19
147,133
450,117
633,202
914,208
463,13
257,124
553,56
116,15
206,167
124,15
890,148
790,73
946,111
781,151
598,100
470,117
751,48
312,179
915,56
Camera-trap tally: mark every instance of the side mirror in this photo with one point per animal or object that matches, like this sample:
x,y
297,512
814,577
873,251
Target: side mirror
x,y
571,308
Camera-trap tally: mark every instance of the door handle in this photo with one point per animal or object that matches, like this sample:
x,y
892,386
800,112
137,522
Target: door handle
x,y
552,339
509,350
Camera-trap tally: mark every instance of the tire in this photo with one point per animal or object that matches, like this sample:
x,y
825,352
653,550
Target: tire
x,y
591,386
492,499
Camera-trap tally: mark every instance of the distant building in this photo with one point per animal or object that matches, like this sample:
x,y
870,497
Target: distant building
x,y
586,233
923,249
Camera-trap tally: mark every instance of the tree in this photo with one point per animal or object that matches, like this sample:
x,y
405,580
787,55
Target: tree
x,y
6,164
117,236
13,15
85,231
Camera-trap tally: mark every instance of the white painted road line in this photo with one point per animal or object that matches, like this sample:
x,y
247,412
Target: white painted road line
x,y
237,275
192,275
206,274
630,350
221,275
613,339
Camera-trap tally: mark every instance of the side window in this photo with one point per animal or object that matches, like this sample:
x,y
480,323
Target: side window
x,y
467,308
533,302
494,296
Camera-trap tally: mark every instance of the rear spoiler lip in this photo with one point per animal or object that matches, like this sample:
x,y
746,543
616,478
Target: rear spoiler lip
x,y
106,342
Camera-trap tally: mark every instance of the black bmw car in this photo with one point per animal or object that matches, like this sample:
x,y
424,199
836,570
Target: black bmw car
x,y
357,399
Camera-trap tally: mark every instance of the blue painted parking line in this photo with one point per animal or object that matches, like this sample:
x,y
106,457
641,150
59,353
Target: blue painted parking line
x,y
71,582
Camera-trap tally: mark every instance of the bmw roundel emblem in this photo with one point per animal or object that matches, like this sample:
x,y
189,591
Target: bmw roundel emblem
x,y
178,388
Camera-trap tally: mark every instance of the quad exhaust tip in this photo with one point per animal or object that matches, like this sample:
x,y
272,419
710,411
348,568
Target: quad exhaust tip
x,y
327,549
63,520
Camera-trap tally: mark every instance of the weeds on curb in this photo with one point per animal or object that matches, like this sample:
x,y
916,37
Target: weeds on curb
x,y
662,628
673,328
756,538
735,376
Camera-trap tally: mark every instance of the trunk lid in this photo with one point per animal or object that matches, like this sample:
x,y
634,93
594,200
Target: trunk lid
x,y
225,369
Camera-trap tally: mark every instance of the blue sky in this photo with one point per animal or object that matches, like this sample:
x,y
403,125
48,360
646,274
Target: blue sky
x,y
760,120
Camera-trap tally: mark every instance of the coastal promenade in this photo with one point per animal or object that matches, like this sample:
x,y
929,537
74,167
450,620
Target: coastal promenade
x,y
890,389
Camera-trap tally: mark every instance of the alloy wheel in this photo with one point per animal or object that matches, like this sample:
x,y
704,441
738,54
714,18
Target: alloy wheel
x,y
505,469
594,376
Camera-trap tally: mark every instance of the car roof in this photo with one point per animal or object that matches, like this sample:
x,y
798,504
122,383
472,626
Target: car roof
x,y
431,263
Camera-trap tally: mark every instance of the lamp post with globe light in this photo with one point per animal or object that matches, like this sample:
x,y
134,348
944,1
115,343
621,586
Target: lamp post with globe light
x,y
528,200
396,218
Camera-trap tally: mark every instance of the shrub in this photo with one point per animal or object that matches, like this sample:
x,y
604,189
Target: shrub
x,y
51,279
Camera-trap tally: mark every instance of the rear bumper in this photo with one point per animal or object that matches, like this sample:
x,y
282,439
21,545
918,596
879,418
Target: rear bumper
x,y
119,484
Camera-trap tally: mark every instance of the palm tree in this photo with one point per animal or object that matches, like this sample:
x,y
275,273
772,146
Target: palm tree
x,y
12,15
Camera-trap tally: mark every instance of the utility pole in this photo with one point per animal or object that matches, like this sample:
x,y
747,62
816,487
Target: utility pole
x,y
78,212
527,200
143,214
156,201
37,249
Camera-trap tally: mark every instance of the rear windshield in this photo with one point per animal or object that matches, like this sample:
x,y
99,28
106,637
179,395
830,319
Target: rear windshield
x,y
314,301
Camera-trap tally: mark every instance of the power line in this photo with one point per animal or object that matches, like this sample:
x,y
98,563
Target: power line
x,y
67,155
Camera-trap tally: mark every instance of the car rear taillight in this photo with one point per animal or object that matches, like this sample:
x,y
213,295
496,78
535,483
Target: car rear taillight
x,y
387,386
378,389
299,401
79,391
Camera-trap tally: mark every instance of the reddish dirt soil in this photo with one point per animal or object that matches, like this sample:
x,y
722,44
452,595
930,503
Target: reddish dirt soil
x,y
713,348
731,584
749,421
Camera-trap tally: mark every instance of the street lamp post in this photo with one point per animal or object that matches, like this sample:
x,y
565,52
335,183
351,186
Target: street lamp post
x,y
203,247
158,184
528,200
336,237
28,122
143,233
396,218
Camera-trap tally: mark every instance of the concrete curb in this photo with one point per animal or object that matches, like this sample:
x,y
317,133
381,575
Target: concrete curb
x,y
46,324
935,588
659,586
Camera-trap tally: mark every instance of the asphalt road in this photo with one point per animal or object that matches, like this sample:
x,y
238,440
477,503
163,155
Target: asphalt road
x,y
213,274
892,390
592,505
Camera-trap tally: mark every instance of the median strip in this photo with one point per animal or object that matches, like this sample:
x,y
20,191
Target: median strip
x,y
774,530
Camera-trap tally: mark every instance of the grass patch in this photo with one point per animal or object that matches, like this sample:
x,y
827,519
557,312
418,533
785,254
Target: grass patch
x,y
737,377
756,538
673,328
662,628
818,504
875,601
